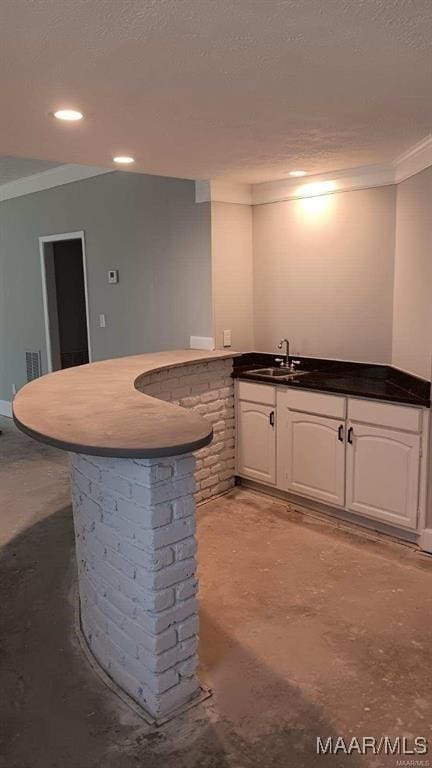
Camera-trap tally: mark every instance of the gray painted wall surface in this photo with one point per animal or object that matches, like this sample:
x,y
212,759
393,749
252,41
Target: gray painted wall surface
x,y
148,227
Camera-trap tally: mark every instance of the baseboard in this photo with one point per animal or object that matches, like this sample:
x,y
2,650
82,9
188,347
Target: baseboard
x,y
6,408
340,516
425,540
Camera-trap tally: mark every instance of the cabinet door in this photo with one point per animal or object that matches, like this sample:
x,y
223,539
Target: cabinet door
x,y
311,456
256,441
383,474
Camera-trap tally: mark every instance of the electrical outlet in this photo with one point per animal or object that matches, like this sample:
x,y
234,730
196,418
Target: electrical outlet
x,y
227,338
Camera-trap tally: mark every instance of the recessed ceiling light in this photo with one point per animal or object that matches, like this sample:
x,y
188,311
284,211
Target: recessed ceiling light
x,y
72,115
297,173
124,159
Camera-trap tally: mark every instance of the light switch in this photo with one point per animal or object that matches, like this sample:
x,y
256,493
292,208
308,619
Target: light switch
x,y
227,338
102,322
113,276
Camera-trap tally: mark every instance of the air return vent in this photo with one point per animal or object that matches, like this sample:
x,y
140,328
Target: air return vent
x,y
33,365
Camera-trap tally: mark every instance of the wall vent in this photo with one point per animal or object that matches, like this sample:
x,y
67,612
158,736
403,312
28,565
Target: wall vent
x,y
33,365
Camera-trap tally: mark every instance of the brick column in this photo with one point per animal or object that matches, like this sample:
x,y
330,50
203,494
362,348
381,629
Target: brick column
x,y
208,389
135,545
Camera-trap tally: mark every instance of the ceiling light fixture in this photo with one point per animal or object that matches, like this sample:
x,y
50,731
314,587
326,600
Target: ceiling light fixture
x,y
297,173
70,115
124,159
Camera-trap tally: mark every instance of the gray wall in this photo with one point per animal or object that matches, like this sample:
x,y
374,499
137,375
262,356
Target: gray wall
x,y
147,227
323,274
412,315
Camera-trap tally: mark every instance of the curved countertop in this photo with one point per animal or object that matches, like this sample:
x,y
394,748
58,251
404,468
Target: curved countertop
x,y
97,409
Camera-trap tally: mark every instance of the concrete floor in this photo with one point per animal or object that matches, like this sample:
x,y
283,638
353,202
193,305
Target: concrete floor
x,y
306,630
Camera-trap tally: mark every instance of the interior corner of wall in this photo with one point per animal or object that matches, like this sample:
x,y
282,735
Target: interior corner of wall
x,y
202,191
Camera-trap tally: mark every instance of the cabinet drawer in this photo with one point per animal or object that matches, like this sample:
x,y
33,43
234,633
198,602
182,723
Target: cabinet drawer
x,y
385,414
312,402
256,393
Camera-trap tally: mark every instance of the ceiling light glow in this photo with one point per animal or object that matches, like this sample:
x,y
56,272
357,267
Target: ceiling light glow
x,y
297,173
315,199
124,159
315,206
70,115
316,188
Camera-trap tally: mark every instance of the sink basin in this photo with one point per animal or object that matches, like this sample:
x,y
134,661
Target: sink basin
x,y
277,373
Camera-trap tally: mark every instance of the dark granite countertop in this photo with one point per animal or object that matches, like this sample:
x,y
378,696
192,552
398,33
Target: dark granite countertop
x,y
377,382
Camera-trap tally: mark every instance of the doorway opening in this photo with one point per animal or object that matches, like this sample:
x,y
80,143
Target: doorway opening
x,y
64,284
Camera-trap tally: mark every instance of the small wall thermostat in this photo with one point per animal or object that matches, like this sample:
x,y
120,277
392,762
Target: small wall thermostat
x,y
113,276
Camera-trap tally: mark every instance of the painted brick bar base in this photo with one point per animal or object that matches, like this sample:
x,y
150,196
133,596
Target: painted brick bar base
x,y
134,531
208,389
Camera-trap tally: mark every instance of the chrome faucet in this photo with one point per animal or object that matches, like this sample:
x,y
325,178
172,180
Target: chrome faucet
x,y
285,363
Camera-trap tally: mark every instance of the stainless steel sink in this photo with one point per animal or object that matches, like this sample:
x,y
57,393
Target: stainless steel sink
x,y
277,373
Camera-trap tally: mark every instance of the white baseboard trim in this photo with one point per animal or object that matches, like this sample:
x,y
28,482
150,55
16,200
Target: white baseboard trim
x,y
425,540
5,408
202,342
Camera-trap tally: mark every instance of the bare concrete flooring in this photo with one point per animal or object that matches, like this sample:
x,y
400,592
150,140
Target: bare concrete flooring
x,y
306,630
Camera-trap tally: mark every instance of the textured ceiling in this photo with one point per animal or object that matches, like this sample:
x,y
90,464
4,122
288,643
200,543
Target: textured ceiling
x,y
245,89
13,168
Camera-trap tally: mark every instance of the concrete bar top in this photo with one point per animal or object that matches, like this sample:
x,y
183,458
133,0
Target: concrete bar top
x,y
97,409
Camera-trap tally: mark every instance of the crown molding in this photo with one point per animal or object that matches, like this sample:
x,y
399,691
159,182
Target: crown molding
x,y
414,160
346,180
221,191
365,177
290,189
54,177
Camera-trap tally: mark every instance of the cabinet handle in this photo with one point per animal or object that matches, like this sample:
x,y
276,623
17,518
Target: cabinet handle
x,y
341,433
271,418
350,435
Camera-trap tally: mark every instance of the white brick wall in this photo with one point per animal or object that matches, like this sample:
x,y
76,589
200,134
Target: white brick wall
x,y
208,389
134,529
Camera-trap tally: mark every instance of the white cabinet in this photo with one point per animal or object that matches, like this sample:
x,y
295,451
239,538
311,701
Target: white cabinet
x,y
383,467
360,455
256,441
311,456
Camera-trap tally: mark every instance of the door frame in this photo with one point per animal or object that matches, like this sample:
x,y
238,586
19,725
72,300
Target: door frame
x,y
43,241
